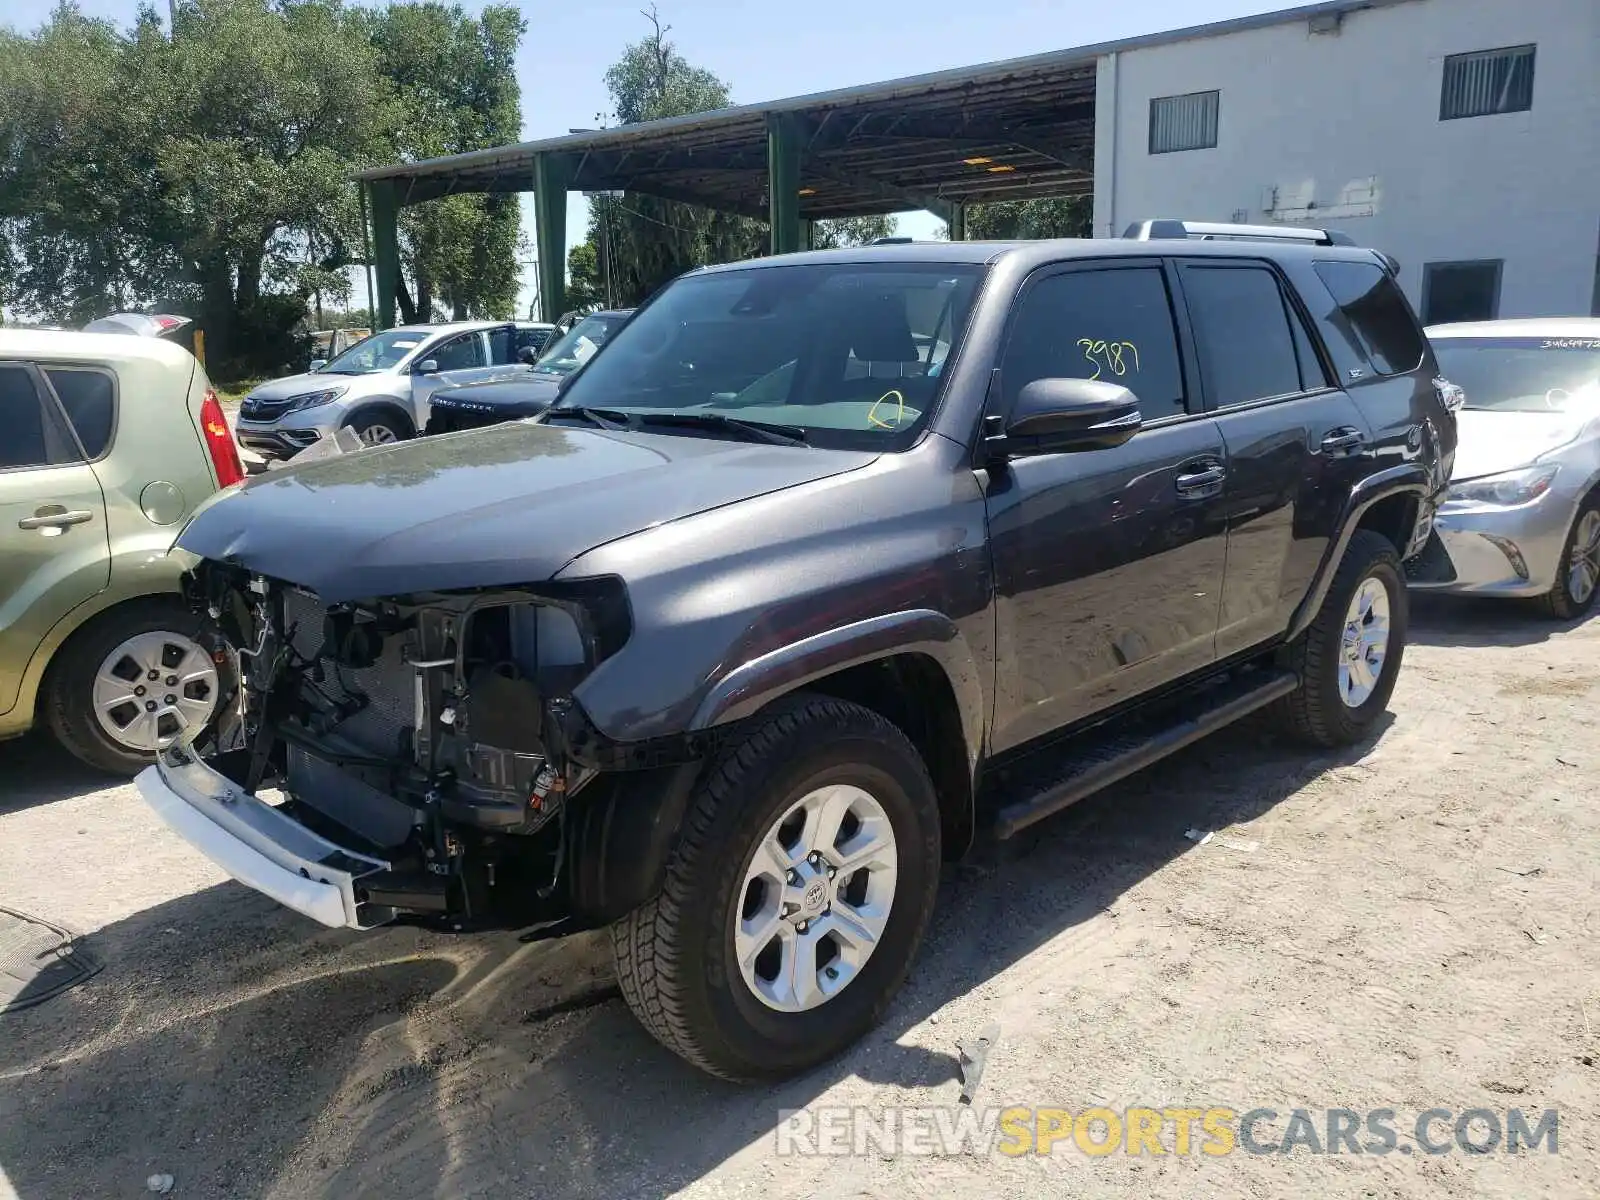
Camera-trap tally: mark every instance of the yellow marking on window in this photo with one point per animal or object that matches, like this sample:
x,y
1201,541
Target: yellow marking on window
x,y
878,422
1109,356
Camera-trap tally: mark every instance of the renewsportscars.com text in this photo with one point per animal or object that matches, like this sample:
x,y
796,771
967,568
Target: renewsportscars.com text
x,y
1213,1131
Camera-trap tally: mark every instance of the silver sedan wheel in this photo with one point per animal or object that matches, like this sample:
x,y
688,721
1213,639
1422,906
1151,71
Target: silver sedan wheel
x,y
1583,572
816,898
1365,643
378,435
153,689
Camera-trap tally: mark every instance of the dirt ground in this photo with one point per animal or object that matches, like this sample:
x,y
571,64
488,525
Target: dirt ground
x,y
1408,926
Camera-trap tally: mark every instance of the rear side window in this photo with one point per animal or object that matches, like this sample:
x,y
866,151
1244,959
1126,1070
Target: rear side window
x,y
89,398
500,347
1113,325
459,353
1242,331
1377,313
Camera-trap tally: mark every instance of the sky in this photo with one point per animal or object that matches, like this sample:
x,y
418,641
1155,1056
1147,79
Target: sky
x,y
767,51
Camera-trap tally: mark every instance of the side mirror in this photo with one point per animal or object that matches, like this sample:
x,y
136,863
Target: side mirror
x,y
428,366
1057,416
528,355
317,364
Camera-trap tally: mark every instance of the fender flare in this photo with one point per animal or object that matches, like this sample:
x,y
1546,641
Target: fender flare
x,y
1399,480
754,684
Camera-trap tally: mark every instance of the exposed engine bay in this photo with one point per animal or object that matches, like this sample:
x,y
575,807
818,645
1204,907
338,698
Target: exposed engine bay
x,y
435,733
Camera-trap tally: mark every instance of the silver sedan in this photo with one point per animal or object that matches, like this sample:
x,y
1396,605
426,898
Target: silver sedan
x,y
1523,514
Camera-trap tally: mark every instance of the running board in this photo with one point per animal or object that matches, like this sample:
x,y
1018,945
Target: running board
x,y
1102,755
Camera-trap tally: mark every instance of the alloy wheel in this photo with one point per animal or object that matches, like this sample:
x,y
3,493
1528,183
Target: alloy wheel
x,y
1365,643
1583,570
378,435
816,897
154,688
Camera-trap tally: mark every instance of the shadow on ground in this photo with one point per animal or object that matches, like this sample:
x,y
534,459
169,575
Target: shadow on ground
x,y
241,1049
1481,621
36,770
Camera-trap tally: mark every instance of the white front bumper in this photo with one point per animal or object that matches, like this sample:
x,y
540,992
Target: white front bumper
x,y
258,845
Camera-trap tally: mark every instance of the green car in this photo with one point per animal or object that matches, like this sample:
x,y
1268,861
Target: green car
x,y
108,443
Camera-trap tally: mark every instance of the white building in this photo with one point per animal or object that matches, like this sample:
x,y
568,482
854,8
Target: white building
x,y
1461,136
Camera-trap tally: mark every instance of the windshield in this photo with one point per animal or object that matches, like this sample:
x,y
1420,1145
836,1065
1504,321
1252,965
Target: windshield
x,y
376,353
578,344
1523,374
848,353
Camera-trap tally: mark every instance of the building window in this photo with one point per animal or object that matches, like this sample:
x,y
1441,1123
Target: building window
x,y
1487,82
1183,122
1460,291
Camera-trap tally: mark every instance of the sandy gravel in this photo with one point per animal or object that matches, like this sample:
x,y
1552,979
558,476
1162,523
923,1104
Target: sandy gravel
x,y
1411,925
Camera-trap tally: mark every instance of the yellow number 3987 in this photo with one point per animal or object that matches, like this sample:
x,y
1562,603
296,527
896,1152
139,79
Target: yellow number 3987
x,y
1116,357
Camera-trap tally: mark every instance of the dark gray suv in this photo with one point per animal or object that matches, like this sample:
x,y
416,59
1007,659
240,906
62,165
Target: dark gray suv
x,y
822,566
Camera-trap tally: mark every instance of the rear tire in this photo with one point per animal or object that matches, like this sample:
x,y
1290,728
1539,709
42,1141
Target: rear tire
x,y
1580,562
678,956
1342,694
70,687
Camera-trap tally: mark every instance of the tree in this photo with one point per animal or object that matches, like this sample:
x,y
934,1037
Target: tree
x,y
654,240
585,286
456,87
838,232
207,168
1007,220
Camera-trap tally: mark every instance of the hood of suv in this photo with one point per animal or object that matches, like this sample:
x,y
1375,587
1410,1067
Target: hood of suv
x,y
510,504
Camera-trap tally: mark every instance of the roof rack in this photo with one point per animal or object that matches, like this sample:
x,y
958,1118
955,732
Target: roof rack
x,y
1145,231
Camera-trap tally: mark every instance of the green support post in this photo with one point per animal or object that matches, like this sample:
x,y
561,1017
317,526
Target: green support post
x,y
785,141
957,221
385,247
552,176
808,235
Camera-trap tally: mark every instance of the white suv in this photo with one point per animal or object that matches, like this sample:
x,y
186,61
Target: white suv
x,y
380,387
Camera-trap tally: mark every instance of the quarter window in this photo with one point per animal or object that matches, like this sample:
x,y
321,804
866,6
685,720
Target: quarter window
x,y
1486,82
1377,314
1242,332
1113,325
89,399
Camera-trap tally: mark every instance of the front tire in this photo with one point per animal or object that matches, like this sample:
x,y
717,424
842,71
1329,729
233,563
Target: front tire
x,y
794,902
379,429
1349,658
130,682
1578,574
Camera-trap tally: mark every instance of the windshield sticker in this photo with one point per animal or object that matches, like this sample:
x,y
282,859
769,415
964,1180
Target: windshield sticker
x,y
1570,344
406,345
1116,357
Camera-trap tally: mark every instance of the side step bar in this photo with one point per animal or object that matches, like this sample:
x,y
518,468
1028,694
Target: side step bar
x,y
1102,755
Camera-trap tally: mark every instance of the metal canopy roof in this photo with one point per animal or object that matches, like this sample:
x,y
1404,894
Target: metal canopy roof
x,y
1007,130
1016,133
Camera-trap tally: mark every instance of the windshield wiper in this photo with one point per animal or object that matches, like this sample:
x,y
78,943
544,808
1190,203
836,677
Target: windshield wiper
x,y
606,418
755,431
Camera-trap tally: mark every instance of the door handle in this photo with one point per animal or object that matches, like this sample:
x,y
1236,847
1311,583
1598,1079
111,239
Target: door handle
x,y
1207,482
53,516
1344,440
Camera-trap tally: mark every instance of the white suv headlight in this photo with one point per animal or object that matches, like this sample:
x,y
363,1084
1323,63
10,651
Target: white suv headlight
x,y
1507,490
314,399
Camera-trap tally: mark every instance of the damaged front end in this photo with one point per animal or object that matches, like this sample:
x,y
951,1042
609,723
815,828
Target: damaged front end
x,y
428,750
